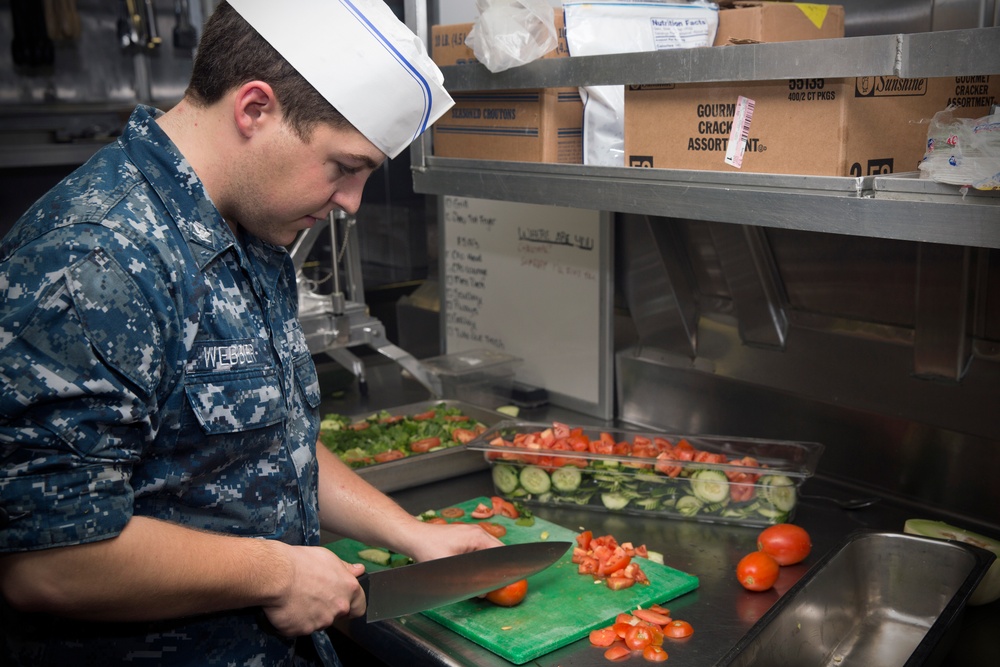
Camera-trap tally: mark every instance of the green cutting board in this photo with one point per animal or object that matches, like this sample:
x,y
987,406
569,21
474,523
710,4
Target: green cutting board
x,y
561,607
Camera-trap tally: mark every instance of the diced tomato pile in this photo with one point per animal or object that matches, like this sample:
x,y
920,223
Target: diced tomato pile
x,y
606,560
640,631
543,448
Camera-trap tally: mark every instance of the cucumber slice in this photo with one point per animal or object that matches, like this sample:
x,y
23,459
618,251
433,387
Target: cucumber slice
x,y
779,490
377,556
614,501
988,589
688,505
535,480
710,486
505,478
566,480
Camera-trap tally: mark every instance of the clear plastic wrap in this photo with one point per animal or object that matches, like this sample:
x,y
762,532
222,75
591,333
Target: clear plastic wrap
x,y
509,33
963,151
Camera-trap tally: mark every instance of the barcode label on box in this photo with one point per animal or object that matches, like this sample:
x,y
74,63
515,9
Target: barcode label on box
x,y
740,133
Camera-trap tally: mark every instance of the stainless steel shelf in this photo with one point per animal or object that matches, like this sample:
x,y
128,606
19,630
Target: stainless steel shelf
x,y
900,206
895,207
932,54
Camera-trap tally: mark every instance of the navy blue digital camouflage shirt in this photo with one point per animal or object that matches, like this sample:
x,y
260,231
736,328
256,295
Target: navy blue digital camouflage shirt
x,y
152,364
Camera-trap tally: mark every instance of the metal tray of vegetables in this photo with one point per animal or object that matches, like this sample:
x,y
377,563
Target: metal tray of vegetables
x,y
409,445
716,479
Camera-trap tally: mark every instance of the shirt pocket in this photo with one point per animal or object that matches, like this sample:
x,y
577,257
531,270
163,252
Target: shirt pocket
x,y
307,380
236,401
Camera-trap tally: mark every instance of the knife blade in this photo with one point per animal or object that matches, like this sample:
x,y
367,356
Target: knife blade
x,y
435,583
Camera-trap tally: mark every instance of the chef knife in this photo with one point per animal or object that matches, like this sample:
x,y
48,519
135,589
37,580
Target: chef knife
x,y
435,583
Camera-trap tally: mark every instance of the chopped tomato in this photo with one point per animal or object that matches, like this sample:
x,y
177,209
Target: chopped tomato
x,y
617,652
651,616
654,654
452,512
425,445
618,583
482,511
494,529
359,426
638,637
588,565
603,636
616,560
391,455
436,519
584,538
678,629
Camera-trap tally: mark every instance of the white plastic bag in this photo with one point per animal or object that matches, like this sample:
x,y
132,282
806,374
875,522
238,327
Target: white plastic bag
x,y
509,33
603,27
963,151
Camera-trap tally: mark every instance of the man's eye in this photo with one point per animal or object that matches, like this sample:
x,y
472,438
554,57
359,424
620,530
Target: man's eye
x,y
348,171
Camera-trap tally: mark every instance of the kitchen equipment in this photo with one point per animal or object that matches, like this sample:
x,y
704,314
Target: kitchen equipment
x,y
561,606
885,599
847,504
431,584
185,35
710,478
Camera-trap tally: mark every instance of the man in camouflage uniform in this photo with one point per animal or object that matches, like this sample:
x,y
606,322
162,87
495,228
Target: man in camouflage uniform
x,y
162,491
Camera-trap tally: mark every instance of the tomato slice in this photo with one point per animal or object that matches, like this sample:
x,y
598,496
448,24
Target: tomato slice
x,y
452,512
678,629
617,652
509,595
494,529
504,507
603,636
651,616
463,435
638,637
654,654
425,445
621,628
391,455
423,416
436,519
482,511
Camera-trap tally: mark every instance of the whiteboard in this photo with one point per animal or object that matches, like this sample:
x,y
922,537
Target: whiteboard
x,y
533,281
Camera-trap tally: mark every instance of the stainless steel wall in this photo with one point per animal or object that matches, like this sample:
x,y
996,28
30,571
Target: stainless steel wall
x,y
888,352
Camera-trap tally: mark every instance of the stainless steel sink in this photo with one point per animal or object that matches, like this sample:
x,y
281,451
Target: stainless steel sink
x,y
880,600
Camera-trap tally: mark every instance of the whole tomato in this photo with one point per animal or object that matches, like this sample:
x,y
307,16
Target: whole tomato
x,y
786,543
509,595
757,571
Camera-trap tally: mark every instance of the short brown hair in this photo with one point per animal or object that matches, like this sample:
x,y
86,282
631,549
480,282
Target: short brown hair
x,y
231,53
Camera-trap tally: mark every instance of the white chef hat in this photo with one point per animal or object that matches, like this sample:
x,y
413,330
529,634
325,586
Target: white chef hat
x,y
361,58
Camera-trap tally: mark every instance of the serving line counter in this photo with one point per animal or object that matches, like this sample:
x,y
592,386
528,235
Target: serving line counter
x,y
720,610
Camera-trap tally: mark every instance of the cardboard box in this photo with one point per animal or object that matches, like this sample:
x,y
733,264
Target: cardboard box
x,y
827,127
535,125
753,21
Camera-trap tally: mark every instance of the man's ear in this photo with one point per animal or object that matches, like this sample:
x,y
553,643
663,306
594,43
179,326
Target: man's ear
x,y
253,104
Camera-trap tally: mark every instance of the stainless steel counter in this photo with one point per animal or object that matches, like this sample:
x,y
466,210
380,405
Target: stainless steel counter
x,y
721,611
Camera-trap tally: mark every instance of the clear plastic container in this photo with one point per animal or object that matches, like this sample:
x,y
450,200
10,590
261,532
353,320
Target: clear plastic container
x,y
481,376
744,481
